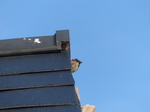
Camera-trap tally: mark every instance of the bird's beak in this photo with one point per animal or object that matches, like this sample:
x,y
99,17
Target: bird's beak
x,y
80,62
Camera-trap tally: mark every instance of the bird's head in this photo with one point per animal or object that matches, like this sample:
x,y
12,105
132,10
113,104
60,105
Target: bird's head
x,y
76,60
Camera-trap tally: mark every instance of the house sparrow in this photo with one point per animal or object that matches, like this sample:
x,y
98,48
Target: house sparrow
x,y
75,63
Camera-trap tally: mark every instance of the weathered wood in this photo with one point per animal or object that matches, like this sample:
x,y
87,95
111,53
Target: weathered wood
x,y
85,108
35,63
77,92
35,45
88,108
36,80
69,108
35,75
36,97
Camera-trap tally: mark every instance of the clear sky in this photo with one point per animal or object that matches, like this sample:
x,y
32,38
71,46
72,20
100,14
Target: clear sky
x,y
111,37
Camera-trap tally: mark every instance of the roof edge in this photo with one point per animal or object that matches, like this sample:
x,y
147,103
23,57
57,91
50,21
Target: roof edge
x,y
35,45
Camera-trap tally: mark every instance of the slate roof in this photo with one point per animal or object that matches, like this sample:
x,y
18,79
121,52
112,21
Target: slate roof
x,y
35,75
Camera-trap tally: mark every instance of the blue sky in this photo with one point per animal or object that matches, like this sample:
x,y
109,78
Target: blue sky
x,y
111,37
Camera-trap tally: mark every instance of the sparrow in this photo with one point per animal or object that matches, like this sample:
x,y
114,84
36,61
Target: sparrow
x,y
75,63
